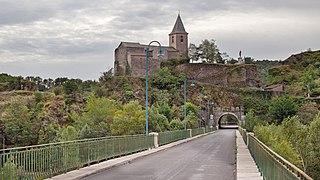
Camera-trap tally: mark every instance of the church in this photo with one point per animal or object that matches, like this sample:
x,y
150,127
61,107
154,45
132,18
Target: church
x,y
130,57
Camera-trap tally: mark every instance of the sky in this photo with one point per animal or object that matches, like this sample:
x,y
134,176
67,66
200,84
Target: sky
x,y
77,38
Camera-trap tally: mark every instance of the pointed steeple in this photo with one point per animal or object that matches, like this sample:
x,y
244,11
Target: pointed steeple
x,y
178,26
178,38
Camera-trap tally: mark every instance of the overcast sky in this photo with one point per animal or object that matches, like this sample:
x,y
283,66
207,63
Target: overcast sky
x,y
77,38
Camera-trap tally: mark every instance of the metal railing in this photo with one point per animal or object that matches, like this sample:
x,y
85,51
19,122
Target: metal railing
x,y
47,160
210,129
270,164
197,131
171,136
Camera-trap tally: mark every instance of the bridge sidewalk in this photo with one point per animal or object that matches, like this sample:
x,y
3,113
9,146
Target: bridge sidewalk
x,y
246,167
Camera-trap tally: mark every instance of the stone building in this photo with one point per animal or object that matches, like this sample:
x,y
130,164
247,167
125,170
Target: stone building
x,y
130,60
130,57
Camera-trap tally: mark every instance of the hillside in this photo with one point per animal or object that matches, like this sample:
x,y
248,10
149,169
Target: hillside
x,y
299,74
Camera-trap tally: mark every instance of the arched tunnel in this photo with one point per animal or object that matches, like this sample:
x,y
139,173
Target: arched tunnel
x,y
228,120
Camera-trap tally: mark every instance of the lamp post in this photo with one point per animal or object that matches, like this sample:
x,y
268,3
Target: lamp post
x,y
205,97
213,116
185,102
147,73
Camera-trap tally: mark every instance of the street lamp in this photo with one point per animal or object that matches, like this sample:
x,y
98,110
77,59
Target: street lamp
x,y
213,116
147,72
205,97
185,101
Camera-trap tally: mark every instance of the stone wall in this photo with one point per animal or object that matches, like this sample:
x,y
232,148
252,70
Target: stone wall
x,y
222,75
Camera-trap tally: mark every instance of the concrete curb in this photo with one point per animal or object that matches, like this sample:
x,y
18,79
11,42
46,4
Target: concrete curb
x,y
246,167
96,168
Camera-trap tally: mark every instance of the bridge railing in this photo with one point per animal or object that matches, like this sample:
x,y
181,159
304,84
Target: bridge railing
x,y
172,136
270,164
47,160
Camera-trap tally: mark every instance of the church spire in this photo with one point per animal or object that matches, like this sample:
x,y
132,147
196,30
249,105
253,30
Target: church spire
x,y
178,38
178,26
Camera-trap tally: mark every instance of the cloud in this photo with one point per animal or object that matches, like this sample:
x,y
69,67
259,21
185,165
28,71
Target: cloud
x,y
48,37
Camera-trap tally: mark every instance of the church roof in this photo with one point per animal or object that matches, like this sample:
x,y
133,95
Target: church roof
x,y
138,45
178,26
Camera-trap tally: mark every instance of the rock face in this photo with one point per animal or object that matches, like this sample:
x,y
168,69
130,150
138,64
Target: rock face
x,y
223,75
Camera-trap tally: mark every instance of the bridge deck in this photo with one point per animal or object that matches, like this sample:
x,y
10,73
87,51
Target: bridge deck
x,y
246,167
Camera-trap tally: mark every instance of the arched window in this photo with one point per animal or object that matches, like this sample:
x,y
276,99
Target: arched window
x,y
181,38
172,39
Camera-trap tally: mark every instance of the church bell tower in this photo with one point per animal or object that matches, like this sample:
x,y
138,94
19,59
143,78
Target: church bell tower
x,y
178,38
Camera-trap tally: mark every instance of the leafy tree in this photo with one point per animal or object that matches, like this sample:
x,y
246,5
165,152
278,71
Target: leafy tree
x,y
129,120
192,120
71,86
248,60
176,124
85,132
49,133
308,79
68,133
166,110
307,112
314,139
165,79
282,107
106,76
273,137
18,124
297,135
99,114
157,122
207,51
252,120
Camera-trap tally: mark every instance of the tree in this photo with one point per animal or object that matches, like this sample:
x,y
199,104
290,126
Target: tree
x,y
157,122
164,79
207,51
129,120
248,60
297,135
252,120
307,112
18,124
176,124
314,139
281,108
308,79
99,115
68,133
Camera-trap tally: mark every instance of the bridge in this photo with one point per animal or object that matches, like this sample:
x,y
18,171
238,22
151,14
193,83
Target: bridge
x,y
203,153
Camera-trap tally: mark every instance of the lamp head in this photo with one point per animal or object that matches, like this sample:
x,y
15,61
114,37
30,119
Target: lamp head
x,y
193,84
160,54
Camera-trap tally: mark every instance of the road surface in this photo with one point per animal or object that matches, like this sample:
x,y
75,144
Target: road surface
x,y
208,157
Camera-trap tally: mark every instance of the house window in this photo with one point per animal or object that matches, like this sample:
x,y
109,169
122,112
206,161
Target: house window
x,y
172,39
181,38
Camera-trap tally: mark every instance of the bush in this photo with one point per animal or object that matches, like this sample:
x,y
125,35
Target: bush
x,y
251,121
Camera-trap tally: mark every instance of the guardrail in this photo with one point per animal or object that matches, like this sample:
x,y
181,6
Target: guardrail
x,y
197,131
270,164
171,136
42,161
47,160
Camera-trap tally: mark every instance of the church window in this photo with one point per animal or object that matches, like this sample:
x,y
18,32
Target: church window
x,y
172,39
181,38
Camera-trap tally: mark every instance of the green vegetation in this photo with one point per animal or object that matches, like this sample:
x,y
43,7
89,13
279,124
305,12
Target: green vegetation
x,y
36,111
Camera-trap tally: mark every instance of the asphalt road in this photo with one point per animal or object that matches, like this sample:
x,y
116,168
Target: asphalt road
x,y
209,157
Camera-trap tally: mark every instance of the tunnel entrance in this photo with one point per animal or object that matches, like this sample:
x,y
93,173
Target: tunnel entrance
x,y
228,121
